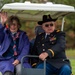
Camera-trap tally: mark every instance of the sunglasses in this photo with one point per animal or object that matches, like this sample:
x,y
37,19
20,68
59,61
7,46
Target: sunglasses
x,y
47,25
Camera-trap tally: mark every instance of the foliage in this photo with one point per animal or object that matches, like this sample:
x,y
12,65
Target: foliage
x,y
69,27
69,23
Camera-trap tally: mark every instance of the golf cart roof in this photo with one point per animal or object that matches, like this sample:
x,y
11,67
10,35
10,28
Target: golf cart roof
x,y
35,11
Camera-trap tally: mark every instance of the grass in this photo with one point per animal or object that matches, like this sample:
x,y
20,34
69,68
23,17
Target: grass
x,y
73,65
71,55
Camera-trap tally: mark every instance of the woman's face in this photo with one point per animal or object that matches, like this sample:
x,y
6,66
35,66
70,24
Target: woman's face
x,y
13,27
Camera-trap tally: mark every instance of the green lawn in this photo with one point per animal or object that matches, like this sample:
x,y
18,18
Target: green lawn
x,y
73,65
71,55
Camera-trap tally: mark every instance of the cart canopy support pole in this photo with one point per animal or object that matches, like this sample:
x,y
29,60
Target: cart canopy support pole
x,y
62,27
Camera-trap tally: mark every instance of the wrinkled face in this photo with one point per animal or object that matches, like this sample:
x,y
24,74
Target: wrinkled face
x,y
49,27
13,27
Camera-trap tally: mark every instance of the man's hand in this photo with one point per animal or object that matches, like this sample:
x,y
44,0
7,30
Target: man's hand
x,y
16,62
43,56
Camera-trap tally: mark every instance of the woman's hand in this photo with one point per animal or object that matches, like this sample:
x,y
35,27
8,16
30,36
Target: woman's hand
x,y
16,62
3,17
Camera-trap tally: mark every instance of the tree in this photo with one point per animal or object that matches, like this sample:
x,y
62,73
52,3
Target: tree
x,y
69,22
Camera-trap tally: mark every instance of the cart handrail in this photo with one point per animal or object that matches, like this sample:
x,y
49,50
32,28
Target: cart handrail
x,y
33,56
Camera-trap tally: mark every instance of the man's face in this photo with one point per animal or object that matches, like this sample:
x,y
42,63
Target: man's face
x,y
49,27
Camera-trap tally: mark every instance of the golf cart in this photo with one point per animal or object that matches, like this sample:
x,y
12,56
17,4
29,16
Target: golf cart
x,y
34,12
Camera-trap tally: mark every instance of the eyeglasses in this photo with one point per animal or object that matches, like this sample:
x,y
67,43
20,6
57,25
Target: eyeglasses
x,y
47,25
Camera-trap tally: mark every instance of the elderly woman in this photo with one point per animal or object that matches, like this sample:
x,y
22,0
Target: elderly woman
x,y
14,44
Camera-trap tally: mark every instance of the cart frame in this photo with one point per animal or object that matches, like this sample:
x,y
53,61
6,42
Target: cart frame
x,y
32,71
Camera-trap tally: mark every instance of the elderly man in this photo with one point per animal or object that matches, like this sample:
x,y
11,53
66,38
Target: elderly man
x,y
50,45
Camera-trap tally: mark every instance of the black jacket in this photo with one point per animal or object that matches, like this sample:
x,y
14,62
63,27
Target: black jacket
x,y
54,45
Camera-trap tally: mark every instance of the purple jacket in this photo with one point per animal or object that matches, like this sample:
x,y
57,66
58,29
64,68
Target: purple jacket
x,y
23,49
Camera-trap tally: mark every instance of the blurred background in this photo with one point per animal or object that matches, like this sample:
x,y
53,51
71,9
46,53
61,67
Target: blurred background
x,y
69,21
69,26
